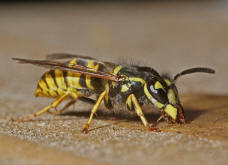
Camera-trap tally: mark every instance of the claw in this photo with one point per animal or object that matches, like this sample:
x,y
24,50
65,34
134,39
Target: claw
x,y
154,129
86,129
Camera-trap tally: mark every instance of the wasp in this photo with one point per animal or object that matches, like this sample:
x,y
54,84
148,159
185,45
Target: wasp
x,y
76,77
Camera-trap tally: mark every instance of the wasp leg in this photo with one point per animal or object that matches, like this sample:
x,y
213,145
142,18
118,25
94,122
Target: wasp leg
x,y
139,112
87,100
181,115
94,110
53,105
63,109
84,99
159,119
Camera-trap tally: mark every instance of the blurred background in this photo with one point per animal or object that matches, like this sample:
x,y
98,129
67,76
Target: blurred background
x,y
169,36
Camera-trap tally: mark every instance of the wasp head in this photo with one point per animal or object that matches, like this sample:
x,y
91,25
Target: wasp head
x,y
163,94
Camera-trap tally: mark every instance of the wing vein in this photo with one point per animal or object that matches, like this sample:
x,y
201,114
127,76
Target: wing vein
x,y
74,68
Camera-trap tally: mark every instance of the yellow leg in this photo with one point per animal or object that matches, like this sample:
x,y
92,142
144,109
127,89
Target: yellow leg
x,y
74,96
94,110
139,112
53,105
58,112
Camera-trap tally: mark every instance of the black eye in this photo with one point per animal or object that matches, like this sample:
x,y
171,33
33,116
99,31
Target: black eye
x,y
157,91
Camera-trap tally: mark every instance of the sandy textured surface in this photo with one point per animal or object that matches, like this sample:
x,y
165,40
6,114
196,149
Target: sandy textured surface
x,y
118,139
168,36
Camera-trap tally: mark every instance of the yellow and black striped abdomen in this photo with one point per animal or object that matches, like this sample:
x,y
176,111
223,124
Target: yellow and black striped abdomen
x,y
55,83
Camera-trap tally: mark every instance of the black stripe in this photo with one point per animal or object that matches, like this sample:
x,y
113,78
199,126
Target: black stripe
x,y
52,73
97,83
82,80
108,104
44,80
81,62
65,78
87,100
38,87
50,87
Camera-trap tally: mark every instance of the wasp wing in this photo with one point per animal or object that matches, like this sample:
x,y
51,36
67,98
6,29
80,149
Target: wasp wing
x,y
73,68
60,56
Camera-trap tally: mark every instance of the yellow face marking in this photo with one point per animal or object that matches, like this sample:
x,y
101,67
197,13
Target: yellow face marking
x,y
147,92
158,85
155,102
171,96
88,78
137,79
117,69
171,111
168,82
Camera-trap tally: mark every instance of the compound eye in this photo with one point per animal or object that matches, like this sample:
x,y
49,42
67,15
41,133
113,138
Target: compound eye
x,y
157,91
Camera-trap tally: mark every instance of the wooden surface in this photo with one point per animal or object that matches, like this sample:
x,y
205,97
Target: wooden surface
x,y
207,116
112,135
15,151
